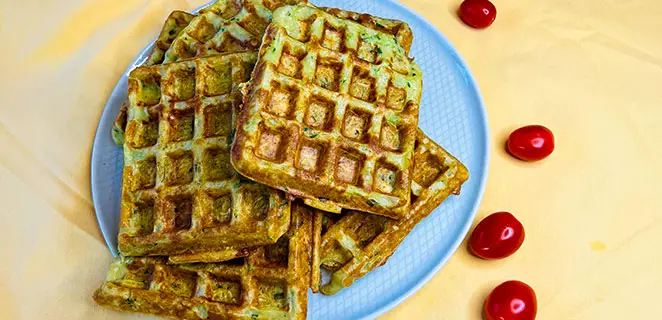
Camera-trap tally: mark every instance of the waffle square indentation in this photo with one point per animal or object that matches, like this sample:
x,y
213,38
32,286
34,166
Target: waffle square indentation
x,y
180,83
180,125
349,165
178,168
217,120
216,165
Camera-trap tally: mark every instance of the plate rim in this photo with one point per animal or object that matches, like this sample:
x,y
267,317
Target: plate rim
x,y
469,77
485,168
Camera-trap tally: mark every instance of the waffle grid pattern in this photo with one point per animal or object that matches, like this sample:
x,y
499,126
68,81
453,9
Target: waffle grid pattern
x,y
225,26
360,242
271,283
174,24
331,107
180,189
451,113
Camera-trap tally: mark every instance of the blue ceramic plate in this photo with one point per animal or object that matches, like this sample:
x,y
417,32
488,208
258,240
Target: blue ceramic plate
x,y
452,113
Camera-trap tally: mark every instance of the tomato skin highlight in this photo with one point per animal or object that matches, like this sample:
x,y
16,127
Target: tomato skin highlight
x,y
531,143
497,236
511,300
478,14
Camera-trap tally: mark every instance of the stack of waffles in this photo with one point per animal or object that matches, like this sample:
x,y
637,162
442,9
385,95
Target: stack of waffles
x,y
264,141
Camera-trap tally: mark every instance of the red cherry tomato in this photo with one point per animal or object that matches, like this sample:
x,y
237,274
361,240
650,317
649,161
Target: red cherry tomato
x,y
511,300
478,13
498,236
531,143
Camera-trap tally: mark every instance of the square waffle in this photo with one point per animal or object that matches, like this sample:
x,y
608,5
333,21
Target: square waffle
x,y
271,283
330,114
224,26
359,242
179,191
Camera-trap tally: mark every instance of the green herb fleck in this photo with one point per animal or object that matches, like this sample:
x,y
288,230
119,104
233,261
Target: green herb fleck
x,y
255,316
314,135
379,24
408,84
324,82
130,302
261,203
372,202
379,50
279,295
306,129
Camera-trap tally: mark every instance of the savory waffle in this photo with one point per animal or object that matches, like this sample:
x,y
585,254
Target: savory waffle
x,y
180,193
359,242
224,26
330,114
271,283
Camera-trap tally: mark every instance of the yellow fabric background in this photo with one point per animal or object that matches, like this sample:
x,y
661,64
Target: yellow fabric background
x,y
590,70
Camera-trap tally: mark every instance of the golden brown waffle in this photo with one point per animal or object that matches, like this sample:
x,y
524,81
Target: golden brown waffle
x,y
179,191
331,114
271,283
359,242
224,26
